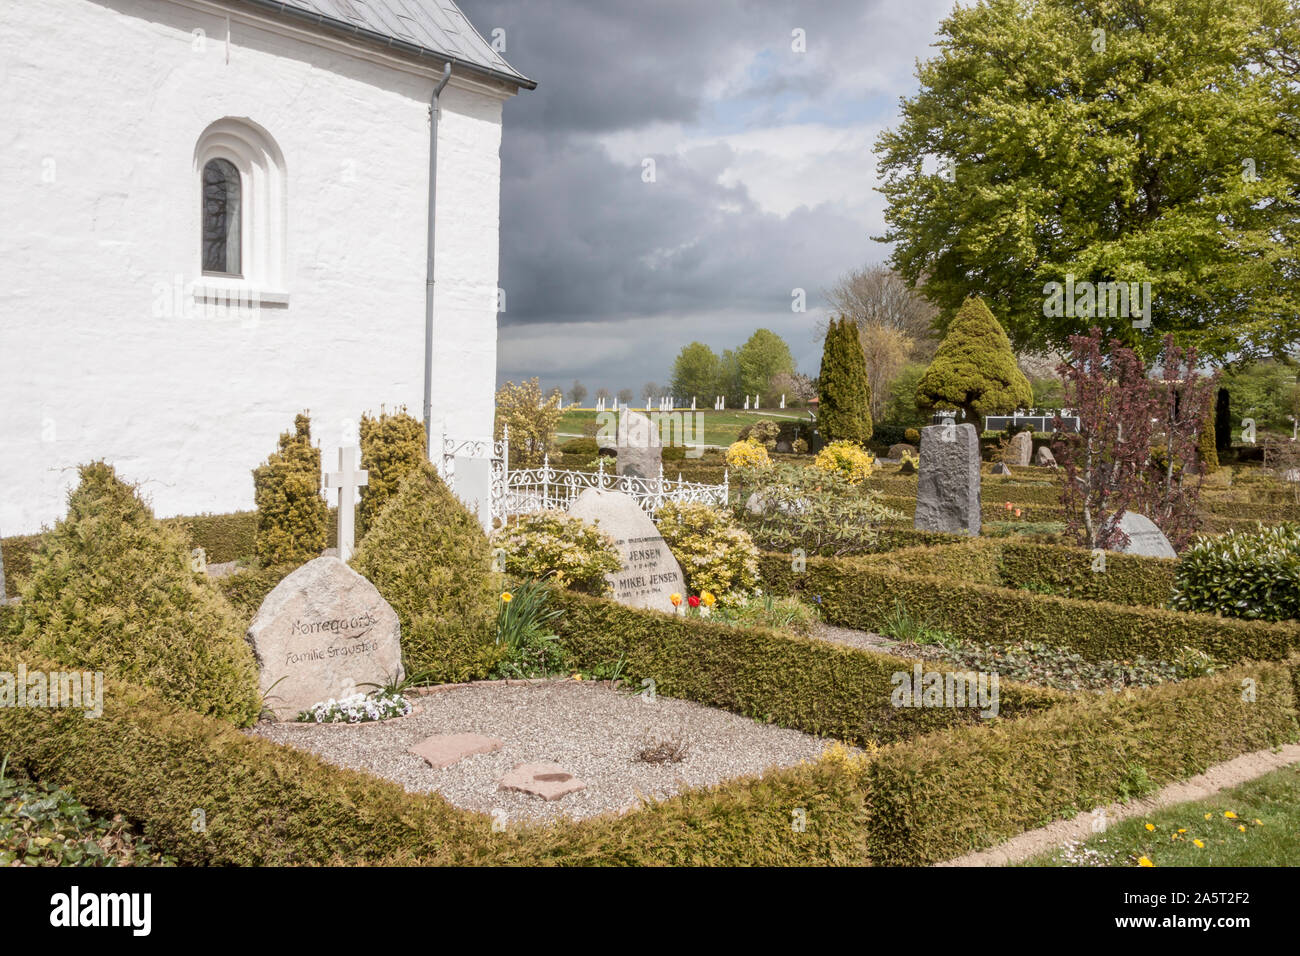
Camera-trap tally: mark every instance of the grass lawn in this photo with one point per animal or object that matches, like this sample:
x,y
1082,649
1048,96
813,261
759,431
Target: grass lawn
x,y
1264,830
720,428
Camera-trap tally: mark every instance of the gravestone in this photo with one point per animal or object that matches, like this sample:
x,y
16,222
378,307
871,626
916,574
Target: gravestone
x,y
1144,537
639,451
948,484
1044,457
322,633
1001,469
1021,449
896,451
649,573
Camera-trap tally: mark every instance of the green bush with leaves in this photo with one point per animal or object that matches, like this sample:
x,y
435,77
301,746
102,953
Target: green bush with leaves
x,y
817,512
430,560
1242,574
551,544
392,446
113,589
716,554
764,431
292,517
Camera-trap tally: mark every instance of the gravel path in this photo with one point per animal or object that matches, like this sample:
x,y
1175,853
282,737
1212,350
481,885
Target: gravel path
x,y
591,729
863,640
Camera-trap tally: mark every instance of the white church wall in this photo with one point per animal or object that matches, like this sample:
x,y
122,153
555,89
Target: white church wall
x,y
104,350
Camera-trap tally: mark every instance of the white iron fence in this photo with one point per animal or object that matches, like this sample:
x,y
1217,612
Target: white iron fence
x,y
537,489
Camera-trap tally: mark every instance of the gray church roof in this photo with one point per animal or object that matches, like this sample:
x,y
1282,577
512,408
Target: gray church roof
x,y
434,28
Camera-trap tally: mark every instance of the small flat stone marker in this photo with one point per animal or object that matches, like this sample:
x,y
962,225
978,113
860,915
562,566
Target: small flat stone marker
x,y
549,781
443,750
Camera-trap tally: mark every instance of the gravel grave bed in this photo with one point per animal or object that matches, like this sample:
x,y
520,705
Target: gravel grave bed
x,y
591,729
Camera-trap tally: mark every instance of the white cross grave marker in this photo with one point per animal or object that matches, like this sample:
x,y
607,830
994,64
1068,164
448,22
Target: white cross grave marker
x,y
347,480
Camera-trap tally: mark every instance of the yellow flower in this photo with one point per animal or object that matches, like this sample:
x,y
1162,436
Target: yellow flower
x,y
1259,823
1199,844
1143,861
577,677
1229,814
1241,827
676,599
506,597
1150,827
1208,815
707,599
1182,829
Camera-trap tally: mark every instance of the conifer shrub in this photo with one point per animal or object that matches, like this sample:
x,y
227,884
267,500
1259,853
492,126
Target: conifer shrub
x,y
292,517
113,589
430,559
974,368
716,554
845,409
392,446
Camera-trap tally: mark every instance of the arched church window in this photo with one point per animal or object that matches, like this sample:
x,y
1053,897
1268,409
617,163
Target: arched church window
x,y
222,197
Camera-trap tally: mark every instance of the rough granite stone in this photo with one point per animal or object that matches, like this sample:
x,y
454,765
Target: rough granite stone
x,y
639,451
443,750
896,451
1020,450
948,484
1044,457
1001,469
322,633
650,573
549,781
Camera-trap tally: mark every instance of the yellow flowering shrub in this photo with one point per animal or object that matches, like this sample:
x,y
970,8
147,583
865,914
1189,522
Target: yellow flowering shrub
x,y
553,544
846,458
715,553
747,454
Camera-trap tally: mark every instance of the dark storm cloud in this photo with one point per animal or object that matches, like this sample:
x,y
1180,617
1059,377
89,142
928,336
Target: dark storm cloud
x,y
589,250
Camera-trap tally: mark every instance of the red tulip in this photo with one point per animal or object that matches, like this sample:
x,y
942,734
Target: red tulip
x,y
693,601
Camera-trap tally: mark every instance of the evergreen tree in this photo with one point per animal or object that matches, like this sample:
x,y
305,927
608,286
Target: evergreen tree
x,y
844,413
292,517
392,446
974,368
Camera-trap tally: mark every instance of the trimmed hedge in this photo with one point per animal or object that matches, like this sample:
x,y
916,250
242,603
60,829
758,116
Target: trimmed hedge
x,y
946,794
223,538
860,592
812,685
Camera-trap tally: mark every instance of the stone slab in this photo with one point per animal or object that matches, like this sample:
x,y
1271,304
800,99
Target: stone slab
x,y
948,483
323,632
649,573
547,780
443,750
1145,537
1020,450
640,454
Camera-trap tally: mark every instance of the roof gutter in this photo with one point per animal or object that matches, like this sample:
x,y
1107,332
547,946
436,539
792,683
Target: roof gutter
x,y
428,274
414,49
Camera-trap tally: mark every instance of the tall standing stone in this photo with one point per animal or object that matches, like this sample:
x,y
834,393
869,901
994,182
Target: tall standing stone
x,y
639,451
1021,449
948,485
322,633
649,573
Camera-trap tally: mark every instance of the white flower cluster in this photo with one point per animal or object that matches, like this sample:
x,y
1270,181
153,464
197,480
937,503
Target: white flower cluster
x,y
357,709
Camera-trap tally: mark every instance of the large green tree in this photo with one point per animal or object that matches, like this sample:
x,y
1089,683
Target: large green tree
x,y
762,358
695,373
844,410
1132,141
974,368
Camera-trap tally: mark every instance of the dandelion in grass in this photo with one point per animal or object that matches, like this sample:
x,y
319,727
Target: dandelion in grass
x,y
1144,861
1229,814
1150,827
1198,844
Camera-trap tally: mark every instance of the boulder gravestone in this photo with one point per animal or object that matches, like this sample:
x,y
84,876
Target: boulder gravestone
x,y
1144,537
948,484
323,633
1021,449
650,573
1044,457
639,451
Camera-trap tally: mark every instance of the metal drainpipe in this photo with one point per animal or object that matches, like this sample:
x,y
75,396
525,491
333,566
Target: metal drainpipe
x,y
428,281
